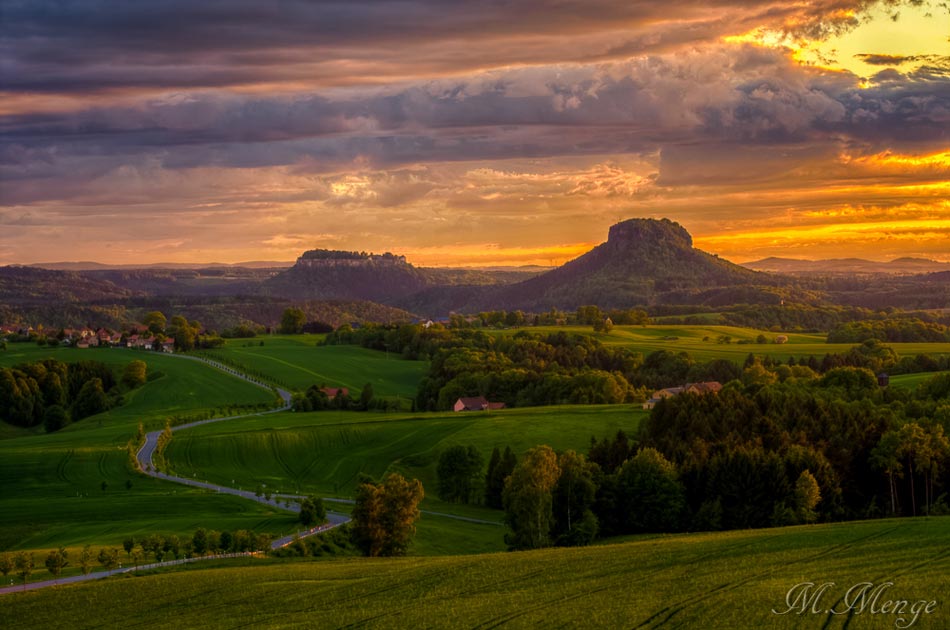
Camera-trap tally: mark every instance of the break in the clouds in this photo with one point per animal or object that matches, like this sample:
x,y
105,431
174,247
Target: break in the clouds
x,y
459,133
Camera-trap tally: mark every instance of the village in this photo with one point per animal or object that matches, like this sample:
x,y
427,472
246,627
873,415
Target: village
x,y
138,337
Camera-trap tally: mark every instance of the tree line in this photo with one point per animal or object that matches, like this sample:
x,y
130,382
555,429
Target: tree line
x,y
158,547
756,454
529,369
54,393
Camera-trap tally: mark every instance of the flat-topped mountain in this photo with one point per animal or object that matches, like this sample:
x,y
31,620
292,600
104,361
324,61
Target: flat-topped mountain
x,y
642,259
340,275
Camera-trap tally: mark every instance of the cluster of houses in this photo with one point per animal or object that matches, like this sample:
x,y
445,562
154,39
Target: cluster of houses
x,y
140,337
708,387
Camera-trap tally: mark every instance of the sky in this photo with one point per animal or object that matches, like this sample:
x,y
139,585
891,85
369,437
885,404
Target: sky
x,y
471,133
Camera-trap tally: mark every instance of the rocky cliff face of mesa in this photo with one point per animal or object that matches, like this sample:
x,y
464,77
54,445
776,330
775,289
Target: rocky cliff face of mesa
x,y
334,275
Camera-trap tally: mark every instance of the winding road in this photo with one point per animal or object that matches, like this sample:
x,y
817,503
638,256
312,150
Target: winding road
x,y
147,452
283,502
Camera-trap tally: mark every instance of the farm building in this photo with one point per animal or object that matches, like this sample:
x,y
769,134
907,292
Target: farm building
x,y
331,392
477,403
708,387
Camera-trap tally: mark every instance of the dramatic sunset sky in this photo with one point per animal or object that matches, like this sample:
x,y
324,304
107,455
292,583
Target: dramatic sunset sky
x,y
471,133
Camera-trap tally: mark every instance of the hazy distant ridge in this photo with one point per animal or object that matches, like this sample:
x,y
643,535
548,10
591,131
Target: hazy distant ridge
x,y
897,266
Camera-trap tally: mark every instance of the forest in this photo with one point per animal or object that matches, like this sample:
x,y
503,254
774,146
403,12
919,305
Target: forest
x,y
839,447
533,369
54,393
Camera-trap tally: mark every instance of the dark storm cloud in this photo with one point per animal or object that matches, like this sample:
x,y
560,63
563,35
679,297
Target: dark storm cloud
x,y
77,47
734,94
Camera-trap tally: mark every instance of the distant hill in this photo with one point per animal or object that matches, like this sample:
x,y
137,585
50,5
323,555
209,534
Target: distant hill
x,y
843,266
642,261
30,285
94,266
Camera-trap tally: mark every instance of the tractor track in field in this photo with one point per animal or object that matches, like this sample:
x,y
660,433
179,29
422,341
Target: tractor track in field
x,y
666,614
61,466
877,580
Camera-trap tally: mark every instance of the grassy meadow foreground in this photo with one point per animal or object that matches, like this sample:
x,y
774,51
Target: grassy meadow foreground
x,y
722,580
74,487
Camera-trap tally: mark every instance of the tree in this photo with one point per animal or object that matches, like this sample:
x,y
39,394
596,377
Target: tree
x,y
85,560
108,558
384,515
138,554
134,374
226,541
366,396
56,560
459,471
199,542
55,418
401,499
807,497
172,545
6,564
312,512
292,321
886,458
496,476
155,321
91,400
652,497
128,544
184,332
527,499
23,564
573,499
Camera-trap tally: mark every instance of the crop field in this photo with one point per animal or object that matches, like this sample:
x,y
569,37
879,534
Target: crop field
x,y
323,453
715,580
296,363
52,483
702,342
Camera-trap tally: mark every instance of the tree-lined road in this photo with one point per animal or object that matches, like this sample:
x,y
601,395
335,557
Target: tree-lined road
x,y
147,452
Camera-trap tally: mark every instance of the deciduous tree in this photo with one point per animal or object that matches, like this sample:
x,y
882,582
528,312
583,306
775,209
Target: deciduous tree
x,y
573,499
108,558
292,321
85,560
312,512
134,374
384,515
23,564
56,560
527,499
459,471
807,496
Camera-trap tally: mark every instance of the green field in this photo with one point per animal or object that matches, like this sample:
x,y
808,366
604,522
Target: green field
x,y
911,381
52,492
712,581
701,341
296,362
324,452
187,387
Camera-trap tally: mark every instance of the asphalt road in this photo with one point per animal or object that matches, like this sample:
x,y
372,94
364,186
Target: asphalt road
x,y
147,451
282,502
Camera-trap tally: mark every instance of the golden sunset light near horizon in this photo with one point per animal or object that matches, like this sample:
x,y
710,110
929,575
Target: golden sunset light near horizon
x,y
472,135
